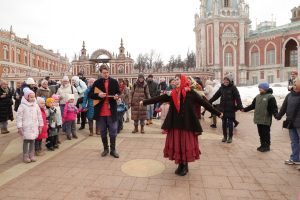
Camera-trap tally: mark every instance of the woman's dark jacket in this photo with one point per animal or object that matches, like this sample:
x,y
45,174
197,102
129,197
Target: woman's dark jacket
x,y
17,101
186,119
289,105
6,112
230,100
113,89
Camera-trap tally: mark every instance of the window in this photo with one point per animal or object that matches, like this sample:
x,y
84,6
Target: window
x,y
293,58
226,3
18,56
25,58
255,59
254,80
228,60
271,79
270,57
5,52
262,75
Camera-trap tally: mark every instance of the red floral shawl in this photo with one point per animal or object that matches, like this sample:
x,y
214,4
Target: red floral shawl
x,y
181,90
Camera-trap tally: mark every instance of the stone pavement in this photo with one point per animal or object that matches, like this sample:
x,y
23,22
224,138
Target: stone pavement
x,y
224,171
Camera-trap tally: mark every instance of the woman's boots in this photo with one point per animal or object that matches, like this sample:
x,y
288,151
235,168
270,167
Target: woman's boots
x,y
135,130
182,169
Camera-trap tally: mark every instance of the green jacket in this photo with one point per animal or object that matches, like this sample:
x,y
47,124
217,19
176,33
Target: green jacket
x,y
265,106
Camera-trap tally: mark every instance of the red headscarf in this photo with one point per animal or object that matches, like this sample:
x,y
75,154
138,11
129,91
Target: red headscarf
x,y
181,90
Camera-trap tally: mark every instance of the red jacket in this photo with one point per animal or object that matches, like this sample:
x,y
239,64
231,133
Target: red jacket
x,y
44,133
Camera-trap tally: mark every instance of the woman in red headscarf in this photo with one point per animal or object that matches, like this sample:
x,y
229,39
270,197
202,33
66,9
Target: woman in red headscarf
x,y
181,123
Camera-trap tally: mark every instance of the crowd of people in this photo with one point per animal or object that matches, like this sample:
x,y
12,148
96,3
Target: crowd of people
x,y
47,109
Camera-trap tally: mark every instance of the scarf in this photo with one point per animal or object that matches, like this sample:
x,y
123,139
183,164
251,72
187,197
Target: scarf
x,y
181,90
122,88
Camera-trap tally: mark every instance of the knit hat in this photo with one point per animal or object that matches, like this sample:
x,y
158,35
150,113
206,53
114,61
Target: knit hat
x,y
27,93
49,101
75,78
70,96
65,78
30,81
265,86
229,77
40,99
55,97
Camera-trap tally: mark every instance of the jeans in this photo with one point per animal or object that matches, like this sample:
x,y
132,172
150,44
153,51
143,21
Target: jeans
x,y
106,122
150,109
295,144
227,123
70,127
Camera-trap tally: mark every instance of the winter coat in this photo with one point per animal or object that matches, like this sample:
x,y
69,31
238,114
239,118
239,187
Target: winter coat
x,y
44,133
63,92
230,100
88,104
265,106
80,87
125,96
113,89
17,100
70,112
209,89
138,93
6,112
186,119
51,121
43,92
29,118
58,115
289,105
153,88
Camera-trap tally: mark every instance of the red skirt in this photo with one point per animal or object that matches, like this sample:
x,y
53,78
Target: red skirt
x,y
182,146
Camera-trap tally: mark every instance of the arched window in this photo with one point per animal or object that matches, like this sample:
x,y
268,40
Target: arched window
x,y
18,55
254,56
5,52
25,58
228,56
270,58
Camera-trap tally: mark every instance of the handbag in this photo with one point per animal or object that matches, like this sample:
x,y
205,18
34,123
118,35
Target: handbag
x,y
288,124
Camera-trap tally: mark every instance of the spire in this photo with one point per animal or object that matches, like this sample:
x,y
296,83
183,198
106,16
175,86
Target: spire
x,y
83,52
121,42
11,29
121,51
83,45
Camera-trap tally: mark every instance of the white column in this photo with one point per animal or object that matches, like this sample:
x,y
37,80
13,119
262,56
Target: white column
x,y
203,45
216,42
242,43
299,59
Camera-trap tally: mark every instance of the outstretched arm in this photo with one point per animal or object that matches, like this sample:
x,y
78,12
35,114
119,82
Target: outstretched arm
x,y
161,98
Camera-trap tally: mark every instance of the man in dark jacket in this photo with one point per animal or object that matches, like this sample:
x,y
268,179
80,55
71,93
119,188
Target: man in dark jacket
x,y
6,103
105,91
154,91
294,75
230,102
265,106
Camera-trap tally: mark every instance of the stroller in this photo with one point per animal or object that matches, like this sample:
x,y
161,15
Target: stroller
x,y
121,109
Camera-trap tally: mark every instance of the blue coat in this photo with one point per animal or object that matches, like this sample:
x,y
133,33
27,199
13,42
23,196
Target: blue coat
x,y
88,104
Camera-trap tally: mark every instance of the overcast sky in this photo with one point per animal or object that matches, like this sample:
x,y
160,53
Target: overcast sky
x,y
163,25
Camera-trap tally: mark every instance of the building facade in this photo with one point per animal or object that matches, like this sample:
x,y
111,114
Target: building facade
x,y
225,43
20,59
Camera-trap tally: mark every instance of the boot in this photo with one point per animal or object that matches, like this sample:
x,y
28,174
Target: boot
x,y
229,140
31,157
97,131
179,168
91,132
105,146
4,131
74,135
224,139
135,130
81,127
184,170
113,151
150,121
26,158
142,129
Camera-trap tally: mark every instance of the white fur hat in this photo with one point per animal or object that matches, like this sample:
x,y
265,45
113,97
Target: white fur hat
x,y
30,81
65,78
71,96
75,78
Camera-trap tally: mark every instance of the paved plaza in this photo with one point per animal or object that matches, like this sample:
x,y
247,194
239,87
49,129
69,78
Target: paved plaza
x,y
224,171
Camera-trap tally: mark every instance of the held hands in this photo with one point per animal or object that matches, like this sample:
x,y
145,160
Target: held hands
x,y
116,97
20,131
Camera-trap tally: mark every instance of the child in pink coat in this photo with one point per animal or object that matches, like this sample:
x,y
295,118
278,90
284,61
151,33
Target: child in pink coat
x,y
69,117
29,124
43,134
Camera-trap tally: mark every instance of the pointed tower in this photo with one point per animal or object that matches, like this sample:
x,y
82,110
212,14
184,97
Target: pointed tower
x,y
121,51
83,55
220,31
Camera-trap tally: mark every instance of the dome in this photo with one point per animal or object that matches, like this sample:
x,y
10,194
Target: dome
x,y
216,6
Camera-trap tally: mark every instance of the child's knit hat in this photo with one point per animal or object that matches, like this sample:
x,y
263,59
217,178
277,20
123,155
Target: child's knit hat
x,y
27,93
55,96
40,99
265,86
49,101
71,96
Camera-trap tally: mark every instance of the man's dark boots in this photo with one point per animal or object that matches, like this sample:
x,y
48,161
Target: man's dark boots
x,y
113,151
105,146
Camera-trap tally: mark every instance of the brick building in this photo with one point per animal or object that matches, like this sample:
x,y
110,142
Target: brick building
x,y
20,59
226,44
